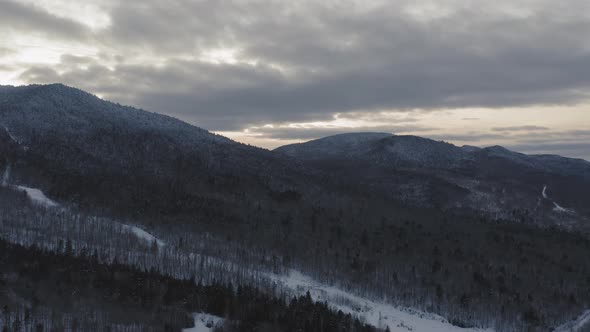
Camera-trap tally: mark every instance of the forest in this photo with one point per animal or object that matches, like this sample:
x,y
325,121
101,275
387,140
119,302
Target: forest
x,y
62,292
476,273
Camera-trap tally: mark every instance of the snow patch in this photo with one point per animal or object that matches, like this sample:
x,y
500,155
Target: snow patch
x,y
556,207
6,175
561,209
15,139
577,325
34,194
204,323
140,233
544,193
12,137
37,196
378,314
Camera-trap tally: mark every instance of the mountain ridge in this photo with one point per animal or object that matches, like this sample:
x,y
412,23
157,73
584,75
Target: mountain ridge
x,y
426,172
497,149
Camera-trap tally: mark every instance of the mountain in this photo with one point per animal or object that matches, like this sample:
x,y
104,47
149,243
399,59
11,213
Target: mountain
x,y
86,151
493,180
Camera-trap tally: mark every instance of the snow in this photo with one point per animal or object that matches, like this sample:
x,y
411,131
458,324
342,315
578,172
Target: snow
x,y
376,313
544,193
34,194
37,196
204,323
559,208
577,325
12,137
6,176
349,144
140,233
15,139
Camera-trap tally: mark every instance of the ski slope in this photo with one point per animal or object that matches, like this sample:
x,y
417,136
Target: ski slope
x,y
204,323
583,321
559,208
143,235
556,207
378,314
38,197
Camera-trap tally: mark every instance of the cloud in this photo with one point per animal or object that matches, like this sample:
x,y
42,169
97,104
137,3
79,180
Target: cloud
x,y
6,51
291,133
24,19
573,150
471,137
305,61
520,128
571,143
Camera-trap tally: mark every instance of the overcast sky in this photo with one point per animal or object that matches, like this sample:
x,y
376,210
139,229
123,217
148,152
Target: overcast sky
x,y
509,72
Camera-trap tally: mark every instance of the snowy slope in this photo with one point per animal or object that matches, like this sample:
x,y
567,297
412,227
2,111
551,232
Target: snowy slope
x,y
142,234
34,194
204,323
583,321
378,314
350,144
544,193
37,196
557,207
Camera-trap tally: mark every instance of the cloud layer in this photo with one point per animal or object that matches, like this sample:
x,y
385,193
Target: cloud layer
x,y
231,65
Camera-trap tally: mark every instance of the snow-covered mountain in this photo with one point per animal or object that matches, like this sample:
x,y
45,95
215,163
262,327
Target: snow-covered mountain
x,y
501,183
78,148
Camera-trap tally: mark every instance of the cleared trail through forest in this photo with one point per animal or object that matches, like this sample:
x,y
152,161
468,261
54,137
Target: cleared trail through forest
x,y
582,323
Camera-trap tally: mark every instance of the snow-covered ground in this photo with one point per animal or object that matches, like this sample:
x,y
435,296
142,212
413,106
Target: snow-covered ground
x,y
583,321
378,314
557,207
34,194
6,175
140,233
544,193
37,196
204,323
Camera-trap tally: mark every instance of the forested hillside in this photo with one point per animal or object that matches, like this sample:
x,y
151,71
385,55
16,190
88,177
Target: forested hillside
x,y
494,181
45,291
139,196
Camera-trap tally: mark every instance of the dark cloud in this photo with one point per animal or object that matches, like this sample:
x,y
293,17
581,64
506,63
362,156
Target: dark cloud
x,y
15,16
305,61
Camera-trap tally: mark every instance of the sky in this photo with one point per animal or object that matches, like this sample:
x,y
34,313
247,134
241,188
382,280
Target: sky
x,y
509,72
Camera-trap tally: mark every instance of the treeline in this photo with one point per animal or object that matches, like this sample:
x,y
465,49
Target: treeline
x,y
44,291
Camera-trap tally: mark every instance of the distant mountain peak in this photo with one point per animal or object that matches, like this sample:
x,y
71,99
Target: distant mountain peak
x,y
471,148
356,137
381,147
